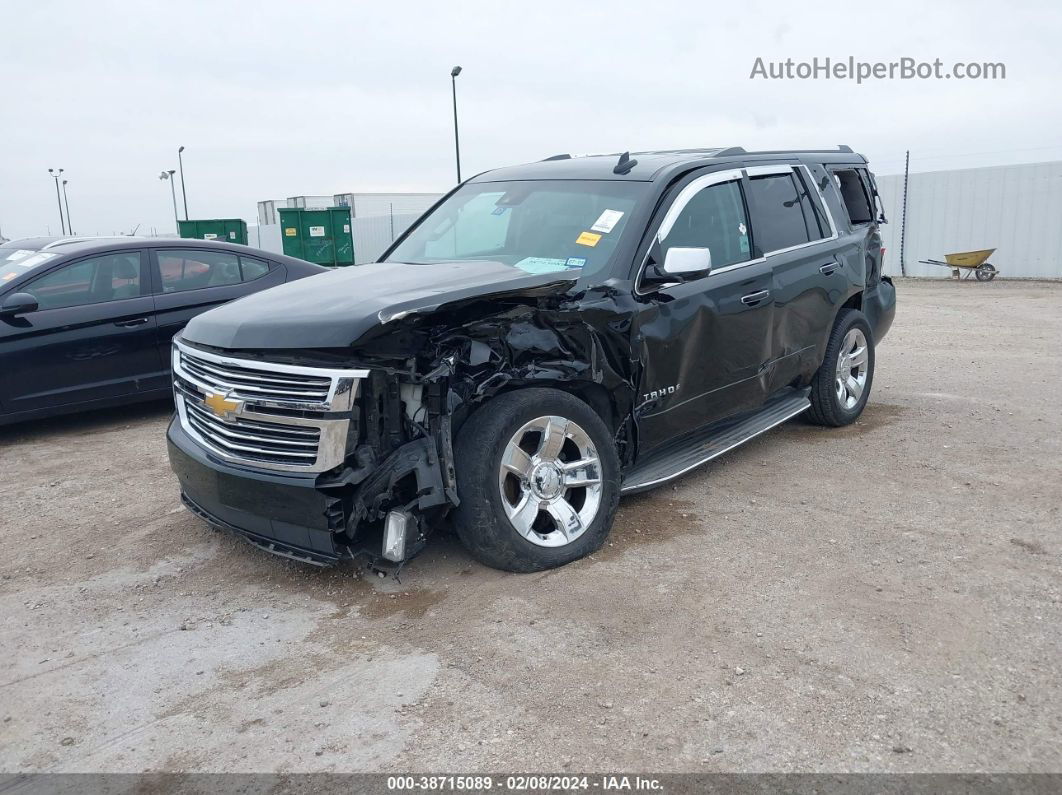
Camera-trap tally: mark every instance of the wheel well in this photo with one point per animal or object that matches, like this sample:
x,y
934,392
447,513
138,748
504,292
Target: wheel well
x,y
854,302
594,395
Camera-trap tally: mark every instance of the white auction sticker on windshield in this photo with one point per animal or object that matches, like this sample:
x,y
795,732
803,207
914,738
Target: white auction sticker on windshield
x,y
36,259
607,222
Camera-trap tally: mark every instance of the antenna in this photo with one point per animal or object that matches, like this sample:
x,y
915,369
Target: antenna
x,y
625,164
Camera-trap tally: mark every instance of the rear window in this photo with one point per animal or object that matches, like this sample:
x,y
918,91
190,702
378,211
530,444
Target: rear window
x,y
855,195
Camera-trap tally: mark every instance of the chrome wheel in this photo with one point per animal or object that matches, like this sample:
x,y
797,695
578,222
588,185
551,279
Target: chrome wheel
x,y
550,481
852,368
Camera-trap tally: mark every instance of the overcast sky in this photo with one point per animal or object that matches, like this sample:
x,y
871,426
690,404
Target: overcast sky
x,y
276,99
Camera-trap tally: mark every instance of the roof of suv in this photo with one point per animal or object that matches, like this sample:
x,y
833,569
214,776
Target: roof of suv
x,y
647,166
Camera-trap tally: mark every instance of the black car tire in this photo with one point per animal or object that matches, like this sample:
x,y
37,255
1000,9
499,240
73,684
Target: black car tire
x,y
826,406
481,520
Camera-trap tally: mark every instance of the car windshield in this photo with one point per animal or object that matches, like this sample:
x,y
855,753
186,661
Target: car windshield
x,y
16,261
537,226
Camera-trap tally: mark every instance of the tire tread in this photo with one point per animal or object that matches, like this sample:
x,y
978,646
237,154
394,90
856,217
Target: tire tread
x,y
483,530
825,409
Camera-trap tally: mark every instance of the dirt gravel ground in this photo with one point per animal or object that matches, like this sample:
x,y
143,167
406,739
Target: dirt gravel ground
x,y
884,597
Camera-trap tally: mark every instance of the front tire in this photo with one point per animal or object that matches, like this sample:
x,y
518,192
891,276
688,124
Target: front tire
x,y
841,387
538,479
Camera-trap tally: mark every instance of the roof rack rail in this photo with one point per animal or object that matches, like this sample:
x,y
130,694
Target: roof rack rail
x,y
69,239
556,157
740,150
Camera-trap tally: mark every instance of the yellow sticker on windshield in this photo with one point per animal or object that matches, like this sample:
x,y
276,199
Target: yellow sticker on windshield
x,y
588,239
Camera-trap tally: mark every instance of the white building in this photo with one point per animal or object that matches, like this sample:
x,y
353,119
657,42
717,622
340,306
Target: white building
x,y
1016,210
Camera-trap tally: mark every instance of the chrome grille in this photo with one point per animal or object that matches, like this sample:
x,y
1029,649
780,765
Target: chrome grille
x,y
256,441
264,414
248,384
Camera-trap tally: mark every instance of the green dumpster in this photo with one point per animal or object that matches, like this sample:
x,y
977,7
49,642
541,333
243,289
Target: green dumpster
x,y
231,230
322,236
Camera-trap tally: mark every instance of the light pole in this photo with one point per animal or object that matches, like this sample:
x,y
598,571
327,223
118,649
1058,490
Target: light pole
x,y
66,201
173,192
184,194
457,141
59,201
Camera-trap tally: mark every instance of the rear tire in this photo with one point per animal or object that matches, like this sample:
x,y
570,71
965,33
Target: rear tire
x,y
525,504
841,387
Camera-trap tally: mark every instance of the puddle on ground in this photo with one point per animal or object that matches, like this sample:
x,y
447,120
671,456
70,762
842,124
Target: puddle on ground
x,y
874,416
651,518
413,603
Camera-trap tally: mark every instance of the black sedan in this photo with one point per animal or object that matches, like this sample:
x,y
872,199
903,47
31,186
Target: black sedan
x,y
87,322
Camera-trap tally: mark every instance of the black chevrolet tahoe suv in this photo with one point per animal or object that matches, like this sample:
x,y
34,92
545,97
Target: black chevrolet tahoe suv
x,y
546,338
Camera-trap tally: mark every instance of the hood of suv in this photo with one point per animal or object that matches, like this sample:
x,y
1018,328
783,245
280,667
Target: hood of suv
x,y
335,309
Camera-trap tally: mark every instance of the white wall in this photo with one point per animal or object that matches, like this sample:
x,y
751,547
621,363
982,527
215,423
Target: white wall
x,y
1015,209
373,234
265,237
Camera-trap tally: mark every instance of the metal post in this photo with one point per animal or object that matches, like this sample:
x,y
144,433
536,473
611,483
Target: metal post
x,y
457,141
184,194
173,193
58,200
903,218
176,220
66,201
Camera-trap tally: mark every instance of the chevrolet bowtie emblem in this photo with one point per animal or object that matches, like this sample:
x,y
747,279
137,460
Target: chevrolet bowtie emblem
x,y
221,406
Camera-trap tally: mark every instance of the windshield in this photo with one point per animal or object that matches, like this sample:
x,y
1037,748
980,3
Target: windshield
x,y
17,261
537,226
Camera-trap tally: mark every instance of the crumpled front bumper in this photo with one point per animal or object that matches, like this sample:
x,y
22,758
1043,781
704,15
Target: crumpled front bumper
x,y
283,514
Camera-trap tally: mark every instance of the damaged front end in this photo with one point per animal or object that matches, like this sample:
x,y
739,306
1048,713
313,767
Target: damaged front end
x,y
307,459
321,454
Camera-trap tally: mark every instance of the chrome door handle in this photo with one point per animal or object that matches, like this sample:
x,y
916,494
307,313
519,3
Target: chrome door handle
x,y
130,323
828,268
754,298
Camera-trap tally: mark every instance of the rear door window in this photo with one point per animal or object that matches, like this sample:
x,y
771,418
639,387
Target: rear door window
x,y
814,214
779,216
194,269
109,277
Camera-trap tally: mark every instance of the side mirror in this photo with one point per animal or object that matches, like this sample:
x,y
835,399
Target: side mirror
x,y
18,304
687,263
